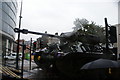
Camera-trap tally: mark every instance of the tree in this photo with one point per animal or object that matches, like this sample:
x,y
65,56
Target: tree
x,y
85,27
79,23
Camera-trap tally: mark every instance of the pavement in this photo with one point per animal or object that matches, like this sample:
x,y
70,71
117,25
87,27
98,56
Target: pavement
x,y
35,73
12,63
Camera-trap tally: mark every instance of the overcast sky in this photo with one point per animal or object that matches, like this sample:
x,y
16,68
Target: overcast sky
x,y
58,15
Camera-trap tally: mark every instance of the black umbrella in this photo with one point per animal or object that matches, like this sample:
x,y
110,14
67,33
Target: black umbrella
x,y
101,69
118,63
101,63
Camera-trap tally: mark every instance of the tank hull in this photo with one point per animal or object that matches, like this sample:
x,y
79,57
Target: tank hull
x,y
68,65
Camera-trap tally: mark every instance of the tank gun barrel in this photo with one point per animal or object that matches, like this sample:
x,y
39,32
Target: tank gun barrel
x,y
25,31
70,37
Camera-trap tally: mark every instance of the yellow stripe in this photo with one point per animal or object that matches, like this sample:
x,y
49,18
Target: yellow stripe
x,y
7,71
109,71
39,57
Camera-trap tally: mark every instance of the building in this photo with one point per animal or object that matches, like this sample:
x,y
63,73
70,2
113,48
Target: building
x,y
45,41
118,31
54,40
8,16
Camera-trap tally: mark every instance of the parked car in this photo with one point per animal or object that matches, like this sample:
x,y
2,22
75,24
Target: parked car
x,y
12,56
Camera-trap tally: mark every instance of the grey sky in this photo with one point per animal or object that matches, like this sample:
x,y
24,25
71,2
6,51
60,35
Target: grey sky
x,y
58,15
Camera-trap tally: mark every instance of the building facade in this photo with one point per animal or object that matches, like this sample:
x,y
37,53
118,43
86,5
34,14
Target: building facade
x,y
118,31
8,16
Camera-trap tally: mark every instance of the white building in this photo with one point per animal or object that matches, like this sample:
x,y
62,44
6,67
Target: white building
x,y
118,30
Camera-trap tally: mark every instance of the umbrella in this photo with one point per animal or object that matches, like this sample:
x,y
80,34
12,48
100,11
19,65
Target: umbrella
x,y
101,69
119,63
101,63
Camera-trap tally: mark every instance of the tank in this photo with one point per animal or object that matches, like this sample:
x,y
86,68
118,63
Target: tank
x,y
65,57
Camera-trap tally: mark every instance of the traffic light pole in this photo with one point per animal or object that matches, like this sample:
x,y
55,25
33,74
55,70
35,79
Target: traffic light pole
x,y
17,56
22,66
106,29
30,52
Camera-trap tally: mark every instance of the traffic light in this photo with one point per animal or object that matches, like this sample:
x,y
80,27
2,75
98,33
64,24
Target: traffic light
x,y
42,45
34,45
113,34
